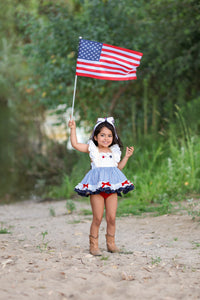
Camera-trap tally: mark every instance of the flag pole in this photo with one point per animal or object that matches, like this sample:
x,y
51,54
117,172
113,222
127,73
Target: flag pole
x,y
80,37
74,97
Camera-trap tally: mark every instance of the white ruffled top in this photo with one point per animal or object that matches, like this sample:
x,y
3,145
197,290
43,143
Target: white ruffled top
x,y
101,159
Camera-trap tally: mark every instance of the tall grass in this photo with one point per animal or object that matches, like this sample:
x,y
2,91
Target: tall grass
x,y
65,190
164,173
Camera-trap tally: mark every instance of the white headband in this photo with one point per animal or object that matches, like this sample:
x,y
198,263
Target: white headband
x,y
110,120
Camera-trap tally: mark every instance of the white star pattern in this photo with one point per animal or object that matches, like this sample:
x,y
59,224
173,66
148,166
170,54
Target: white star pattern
x,y
89,50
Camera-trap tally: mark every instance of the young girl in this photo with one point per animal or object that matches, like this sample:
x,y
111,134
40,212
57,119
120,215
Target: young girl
x,y
105,181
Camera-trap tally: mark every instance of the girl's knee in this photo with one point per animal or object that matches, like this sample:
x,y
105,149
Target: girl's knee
x,y
110,220
97,221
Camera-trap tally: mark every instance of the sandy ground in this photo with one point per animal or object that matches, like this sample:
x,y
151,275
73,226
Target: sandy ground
x,y
160,259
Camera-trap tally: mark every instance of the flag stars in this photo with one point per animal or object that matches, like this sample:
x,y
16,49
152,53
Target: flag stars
x,y
89,50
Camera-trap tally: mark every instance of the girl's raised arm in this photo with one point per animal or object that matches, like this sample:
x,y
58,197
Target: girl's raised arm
x,y
78,146
129,152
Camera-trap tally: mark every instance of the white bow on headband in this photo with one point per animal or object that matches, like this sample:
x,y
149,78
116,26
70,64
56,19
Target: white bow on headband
x,y
110,120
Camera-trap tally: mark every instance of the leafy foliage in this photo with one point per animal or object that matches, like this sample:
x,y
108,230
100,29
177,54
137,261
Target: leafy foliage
x,y
161,29
38,51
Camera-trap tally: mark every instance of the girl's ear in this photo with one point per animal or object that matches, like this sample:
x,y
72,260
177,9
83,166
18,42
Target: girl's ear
x,y
95,138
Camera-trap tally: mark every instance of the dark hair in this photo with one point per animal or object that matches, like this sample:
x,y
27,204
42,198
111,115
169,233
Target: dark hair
x,y
116,140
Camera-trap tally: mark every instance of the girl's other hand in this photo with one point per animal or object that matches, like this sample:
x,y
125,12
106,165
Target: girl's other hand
x,y
129,151
72,124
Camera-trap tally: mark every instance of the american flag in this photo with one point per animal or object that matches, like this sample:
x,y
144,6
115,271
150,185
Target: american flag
x,y
103,61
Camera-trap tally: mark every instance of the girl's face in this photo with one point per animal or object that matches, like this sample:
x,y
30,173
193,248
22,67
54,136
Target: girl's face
x,y
104,138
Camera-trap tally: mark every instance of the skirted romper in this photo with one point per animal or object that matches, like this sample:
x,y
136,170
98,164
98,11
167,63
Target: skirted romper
x,y
104,175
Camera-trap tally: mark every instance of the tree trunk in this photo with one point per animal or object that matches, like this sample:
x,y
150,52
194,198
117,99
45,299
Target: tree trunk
x,y
145,106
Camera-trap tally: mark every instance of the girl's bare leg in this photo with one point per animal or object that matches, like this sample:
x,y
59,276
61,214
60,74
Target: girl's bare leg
x,y
97,204
111,209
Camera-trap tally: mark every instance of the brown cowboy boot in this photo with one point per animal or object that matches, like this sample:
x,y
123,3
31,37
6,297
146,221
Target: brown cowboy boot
x,y
110,240
94,249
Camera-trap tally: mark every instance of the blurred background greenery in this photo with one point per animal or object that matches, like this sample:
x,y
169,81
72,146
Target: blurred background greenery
x,y
158,113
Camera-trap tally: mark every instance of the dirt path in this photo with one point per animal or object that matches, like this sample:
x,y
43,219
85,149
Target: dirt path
x,y
160,259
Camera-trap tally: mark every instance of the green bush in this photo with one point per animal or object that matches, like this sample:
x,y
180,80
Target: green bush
x,y
65,190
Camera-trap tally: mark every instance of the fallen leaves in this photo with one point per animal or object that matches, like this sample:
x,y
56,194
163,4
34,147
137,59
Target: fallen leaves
x,y
7,262
127,277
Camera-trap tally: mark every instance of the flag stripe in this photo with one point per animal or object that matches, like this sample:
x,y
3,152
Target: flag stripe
x,y
102,70
80,67
107,62
110,66
116,59
108,74
119,54
123,49
97,75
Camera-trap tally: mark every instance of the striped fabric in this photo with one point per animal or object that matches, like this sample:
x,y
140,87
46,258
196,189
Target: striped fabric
x,y
103,61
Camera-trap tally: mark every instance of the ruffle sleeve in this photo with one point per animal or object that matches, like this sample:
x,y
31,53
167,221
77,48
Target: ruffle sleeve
x,y
116,152
93,151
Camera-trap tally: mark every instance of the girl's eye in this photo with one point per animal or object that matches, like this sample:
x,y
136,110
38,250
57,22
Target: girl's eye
x,y
103,135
